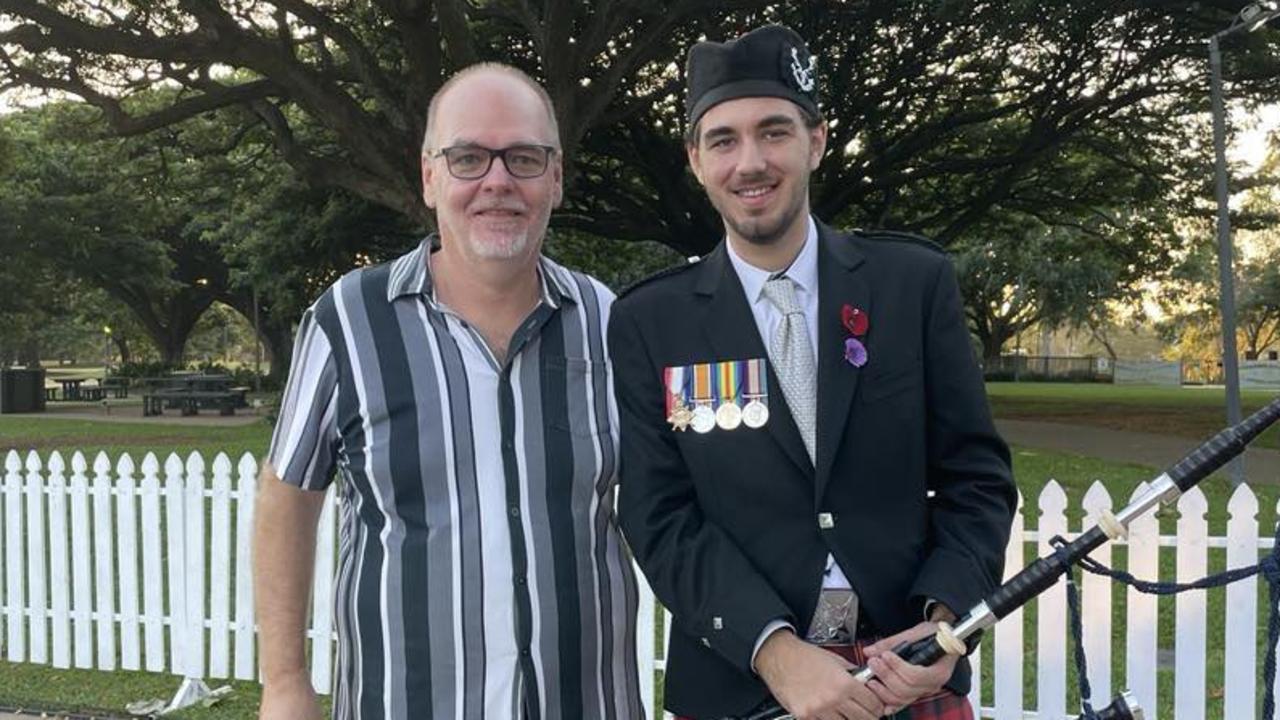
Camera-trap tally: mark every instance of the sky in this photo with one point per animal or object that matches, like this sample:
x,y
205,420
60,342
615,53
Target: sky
x,y
1250,146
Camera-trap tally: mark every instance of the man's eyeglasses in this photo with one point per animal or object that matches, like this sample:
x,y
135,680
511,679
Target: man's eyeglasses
x,y
472,162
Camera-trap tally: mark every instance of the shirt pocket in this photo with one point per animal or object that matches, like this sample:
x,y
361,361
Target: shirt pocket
x,y
575,395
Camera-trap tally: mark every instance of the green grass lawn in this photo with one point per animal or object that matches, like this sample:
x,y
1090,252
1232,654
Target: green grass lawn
x,y
46,434
1190,413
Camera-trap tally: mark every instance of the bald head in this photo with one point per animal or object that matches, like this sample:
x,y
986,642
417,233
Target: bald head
x,y
488,76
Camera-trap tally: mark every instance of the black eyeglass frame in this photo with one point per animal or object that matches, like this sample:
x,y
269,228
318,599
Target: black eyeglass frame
x,y
547,152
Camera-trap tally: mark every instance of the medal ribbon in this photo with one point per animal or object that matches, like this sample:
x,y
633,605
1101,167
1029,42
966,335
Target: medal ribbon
x,y
729,381
669,386
701,382
755,379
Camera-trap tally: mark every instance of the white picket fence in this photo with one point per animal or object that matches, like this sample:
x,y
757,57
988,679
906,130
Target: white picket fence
x,y
148,568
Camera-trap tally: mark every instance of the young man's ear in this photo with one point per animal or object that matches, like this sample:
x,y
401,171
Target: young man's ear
x,y
817,144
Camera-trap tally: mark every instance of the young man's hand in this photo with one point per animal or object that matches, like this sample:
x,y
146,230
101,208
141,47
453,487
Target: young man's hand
x,y
811,683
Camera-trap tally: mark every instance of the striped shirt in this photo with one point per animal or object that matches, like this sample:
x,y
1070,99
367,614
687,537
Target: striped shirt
x,y
481,573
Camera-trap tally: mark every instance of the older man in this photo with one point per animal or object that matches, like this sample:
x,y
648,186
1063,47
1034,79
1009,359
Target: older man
x,y
462,392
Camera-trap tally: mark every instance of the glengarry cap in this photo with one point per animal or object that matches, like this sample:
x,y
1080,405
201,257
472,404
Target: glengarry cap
x,y
771,61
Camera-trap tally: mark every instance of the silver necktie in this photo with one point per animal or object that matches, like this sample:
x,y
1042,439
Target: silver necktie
x,y
791,353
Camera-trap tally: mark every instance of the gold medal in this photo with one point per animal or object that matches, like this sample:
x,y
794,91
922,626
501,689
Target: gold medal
x,y
728,416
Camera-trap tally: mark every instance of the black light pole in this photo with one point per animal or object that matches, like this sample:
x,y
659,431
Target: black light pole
x,y
1250,18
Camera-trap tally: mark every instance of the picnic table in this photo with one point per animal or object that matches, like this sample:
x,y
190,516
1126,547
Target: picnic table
x,y
190,393
72,389
117,386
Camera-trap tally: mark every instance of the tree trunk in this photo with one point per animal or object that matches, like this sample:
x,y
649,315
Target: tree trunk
x,y
122,347
29,352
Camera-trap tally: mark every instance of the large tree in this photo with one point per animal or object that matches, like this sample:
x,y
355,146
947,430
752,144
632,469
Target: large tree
x,y
943,112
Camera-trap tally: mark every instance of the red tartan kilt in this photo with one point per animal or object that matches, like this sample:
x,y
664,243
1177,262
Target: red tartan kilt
x,y
946,705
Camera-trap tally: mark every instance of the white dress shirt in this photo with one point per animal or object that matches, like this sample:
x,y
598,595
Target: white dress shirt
x,y
803,271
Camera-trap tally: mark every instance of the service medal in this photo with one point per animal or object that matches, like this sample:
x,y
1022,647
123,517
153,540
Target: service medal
x,y
704,419
728,416
755,414
680,418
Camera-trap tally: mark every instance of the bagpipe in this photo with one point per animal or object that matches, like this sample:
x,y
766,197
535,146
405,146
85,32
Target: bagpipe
x,y
1042,574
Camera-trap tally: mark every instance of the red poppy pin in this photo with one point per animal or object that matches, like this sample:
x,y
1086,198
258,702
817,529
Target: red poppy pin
x,y
855,323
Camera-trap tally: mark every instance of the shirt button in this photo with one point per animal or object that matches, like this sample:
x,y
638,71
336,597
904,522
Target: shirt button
x,y
521,581
826,521
515,511
524,652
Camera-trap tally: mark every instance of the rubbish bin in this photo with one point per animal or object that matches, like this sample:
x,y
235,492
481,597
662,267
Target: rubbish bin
x,y
21,390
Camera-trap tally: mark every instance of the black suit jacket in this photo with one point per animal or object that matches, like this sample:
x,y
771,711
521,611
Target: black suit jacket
x,y
725,525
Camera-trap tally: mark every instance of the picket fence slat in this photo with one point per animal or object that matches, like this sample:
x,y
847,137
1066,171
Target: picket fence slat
x,y
103,554
1275,687
220,570
83,550
14,544
59,569
1008,634
1240,637
37,582
127,560
1095,601
81,567
1191,607
246,492
193,621
10,457
1141,643
322,597
1051,636
176,542
646,614
152,569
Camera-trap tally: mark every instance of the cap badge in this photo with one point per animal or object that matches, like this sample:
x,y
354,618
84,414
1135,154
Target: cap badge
x,y
803,74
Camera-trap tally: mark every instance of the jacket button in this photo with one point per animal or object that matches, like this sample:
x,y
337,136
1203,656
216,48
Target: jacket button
x,y
826,521
717,622
706,642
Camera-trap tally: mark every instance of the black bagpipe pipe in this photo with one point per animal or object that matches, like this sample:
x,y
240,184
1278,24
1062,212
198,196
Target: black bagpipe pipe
x,y
1045,572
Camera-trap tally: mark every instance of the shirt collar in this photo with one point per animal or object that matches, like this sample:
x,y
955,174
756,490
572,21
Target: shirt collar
x,y
411,275
803,271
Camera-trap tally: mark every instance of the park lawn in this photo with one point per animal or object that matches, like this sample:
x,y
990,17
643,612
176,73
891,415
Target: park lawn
x,y
1192,412
47,434
41,686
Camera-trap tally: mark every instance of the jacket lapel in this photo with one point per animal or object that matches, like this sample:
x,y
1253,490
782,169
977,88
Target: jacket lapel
x,y
732,331
840,282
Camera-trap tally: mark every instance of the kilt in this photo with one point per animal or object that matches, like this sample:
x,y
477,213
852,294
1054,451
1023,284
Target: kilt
x,y
943,705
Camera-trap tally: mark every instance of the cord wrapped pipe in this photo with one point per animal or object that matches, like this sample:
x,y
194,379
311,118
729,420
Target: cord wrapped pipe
x,y
1043,573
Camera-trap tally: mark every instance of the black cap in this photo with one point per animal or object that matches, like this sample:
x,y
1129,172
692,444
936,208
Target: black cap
x,y
771,61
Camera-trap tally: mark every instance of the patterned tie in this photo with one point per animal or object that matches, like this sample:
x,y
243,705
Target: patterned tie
x,y
791,353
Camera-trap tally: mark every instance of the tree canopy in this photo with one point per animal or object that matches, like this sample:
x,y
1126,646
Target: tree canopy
x,y
1072,129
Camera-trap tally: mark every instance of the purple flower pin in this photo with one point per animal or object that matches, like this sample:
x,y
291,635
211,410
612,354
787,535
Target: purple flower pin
x,y
855,353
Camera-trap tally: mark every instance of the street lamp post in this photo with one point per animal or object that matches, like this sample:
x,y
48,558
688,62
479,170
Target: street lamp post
x,y
1250,18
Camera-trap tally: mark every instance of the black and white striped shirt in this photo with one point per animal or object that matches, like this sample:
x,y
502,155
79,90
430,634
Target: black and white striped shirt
x,y
481,572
